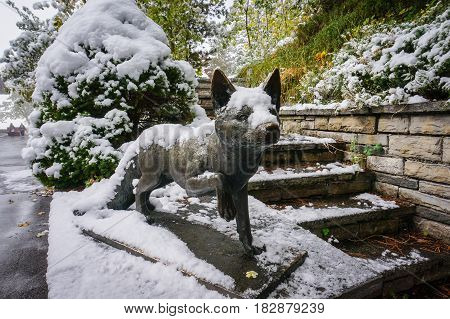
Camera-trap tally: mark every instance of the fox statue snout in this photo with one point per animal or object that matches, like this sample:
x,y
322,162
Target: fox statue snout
x,y
246,124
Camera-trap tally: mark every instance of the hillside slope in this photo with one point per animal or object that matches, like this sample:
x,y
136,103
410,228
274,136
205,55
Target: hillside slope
x,y
339,25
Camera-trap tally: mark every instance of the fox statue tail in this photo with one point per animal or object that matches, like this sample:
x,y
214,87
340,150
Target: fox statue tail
x,y
124,196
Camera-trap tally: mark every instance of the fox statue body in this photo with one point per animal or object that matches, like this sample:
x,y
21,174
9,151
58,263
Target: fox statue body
x,y
221,159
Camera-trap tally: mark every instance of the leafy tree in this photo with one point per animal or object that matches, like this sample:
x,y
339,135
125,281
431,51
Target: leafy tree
x,y
189,24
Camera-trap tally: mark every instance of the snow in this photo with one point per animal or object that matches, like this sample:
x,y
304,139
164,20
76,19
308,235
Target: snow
x,y
82,132
157,242
290,173
256,99
296,139
368,203
168,135
3,98
79,267
123,32
20,180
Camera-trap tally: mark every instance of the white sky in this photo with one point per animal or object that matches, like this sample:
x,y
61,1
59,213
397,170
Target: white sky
x,y
8,18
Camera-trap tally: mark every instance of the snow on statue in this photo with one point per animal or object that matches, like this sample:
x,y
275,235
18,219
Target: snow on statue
x,y
107,76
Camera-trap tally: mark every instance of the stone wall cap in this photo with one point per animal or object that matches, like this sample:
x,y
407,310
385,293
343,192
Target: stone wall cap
x,y
425,107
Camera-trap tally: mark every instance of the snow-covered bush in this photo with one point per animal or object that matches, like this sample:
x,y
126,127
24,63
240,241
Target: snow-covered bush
x,y
403,64
108,75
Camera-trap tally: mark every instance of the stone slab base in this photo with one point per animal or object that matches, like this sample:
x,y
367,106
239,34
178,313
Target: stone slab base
x,y
227,255
219,250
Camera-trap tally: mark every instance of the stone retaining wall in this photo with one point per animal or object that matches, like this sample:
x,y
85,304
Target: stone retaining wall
x,y
415,162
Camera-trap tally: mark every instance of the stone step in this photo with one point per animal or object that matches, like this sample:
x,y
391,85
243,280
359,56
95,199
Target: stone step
x,y
349,217
302,182
429,265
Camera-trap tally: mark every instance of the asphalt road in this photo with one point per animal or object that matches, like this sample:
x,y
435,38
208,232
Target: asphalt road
x,y
23,256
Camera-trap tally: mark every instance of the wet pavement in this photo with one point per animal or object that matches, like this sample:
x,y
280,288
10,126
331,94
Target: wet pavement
x,y
23,255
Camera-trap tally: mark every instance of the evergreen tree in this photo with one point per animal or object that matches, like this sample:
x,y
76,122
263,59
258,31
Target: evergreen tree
x,y
107,76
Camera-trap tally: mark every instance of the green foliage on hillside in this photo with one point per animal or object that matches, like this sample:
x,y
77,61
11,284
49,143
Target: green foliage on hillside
x,y
324,31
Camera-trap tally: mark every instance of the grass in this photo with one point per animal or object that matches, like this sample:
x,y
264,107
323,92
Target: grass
x,y
326,31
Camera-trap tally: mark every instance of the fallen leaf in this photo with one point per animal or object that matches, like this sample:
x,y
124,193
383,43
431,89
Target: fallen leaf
x,y
24,224
42,233
251,274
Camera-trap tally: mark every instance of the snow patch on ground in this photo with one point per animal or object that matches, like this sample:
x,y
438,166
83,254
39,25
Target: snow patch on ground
x,y
20,181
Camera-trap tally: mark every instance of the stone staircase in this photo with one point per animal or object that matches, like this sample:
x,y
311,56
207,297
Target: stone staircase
x,y
307,180
303,167
306,177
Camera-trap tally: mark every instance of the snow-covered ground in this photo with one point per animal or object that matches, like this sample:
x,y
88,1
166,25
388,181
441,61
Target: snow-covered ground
x,y
81,268
19,180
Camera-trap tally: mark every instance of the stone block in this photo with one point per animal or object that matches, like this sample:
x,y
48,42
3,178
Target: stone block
x,y
321,123
423,147
446,150
390,288
309,125
386,189
434,229
430,124
338,136
432,214
358,186
431,172
397,180
371,139
266,195
378,227
419,198
342,232
393,124
291,126
356,124
389,165
440,190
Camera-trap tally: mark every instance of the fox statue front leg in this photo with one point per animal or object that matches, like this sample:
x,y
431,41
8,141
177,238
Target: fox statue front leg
x,y
240,199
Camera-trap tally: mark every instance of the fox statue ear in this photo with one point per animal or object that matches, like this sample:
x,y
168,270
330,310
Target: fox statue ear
x,y
272,86
221,89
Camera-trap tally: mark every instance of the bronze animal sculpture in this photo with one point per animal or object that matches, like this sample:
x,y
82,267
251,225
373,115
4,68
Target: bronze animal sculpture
x,y
224,160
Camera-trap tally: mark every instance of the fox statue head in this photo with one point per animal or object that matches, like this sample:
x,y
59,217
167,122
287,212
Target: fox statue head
x,y
247,117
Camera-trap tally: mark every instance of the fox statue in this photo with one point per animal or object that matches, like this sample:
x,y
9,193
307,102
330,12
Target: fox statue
x,y
223,160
